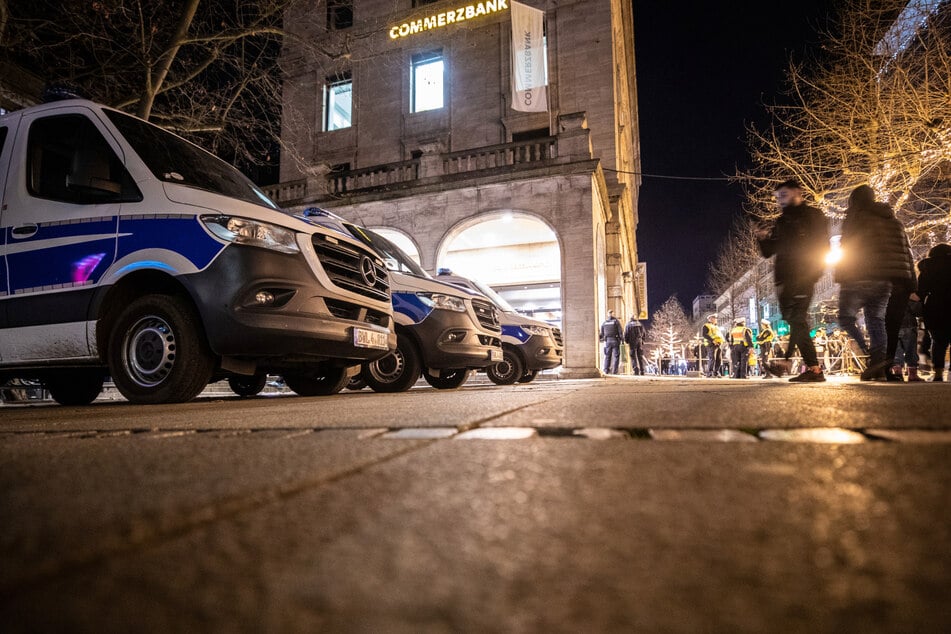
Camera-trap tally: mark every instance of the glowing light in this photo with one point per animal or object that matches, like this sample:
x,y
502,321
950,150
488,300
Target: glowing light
x,y
835,251
83,269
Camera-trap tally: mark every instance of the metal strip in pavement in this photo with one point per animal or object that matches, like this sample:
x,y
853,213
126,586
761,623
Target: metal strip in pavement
x,y
912,435
824,435
703,435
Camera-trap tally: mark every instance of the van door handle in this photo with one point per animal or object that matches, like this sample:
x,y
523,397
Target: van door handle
x,y
25,231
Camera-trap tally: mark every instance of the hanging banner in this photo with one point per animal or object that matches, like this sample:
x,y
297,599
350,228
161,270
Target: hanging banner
x,y
528,59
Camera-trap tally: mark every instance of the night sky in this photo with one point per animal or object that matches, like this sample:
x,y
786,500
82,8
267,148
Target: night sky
x,y
704,69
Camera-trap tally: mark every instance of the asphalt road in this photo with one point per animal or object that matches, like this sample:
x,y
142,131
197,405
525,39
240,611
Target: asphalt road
x,y
614,505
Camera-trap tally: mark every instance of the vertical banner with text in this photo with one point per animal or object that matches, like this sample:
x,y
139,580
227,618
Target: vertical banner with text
x,y
529,76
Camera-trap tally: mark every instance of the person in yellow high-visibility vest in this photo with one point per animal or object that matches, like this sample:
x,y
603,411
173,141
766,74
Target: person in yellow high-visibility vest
x,y
712,338
741,340
764,339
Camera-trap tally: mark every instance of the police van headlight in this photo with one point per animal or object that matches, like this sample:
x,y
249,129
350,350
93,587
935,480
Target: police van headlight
x,y
444,302
541,331
252,233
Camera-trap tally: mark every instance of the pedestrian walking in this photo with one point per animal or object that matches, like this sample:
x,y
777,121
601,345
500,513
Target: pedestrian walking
x,y
634,335
906,350
611,334
934,288
799,240
874,253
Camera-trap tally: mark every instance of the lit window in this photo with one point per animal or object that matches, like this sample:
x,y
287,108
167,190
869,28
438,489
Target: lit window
x,y
427,82
339,14
338,104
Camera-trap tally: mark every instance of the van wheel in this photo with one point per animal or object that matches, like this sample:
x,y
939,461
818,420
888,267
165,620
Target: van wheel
x,y
508,370
396,372
79,388
323,381
447,379
528,378
356,383
247,385
158,352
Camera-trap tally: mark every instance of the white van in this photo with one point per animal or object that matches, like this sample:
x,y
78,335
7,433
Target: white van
x,y
128,251
528,345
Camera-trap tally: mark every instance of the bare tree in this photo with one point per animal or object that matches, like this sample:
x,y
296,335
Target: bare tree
x,y
205,69
737,259
670,328
872,108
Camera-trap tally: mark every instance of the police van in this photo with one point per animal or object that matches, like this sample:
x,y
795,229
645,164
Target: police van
x,y
129,252
443,332
528,345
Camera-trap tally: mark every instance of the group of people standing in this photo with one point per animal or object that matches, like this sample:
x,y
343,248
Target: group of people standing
x,y
633,334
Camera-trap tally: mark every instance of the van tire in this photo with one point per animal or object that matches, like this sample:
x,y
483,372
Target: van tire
x,y
528,378
75,388
448,379
396,372
324,381
158,352
507,371
247,385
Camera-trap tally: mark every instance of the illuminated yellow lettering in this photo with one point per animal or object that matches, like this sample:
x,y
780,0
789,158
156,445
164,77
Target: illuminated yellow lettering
x,y
452,16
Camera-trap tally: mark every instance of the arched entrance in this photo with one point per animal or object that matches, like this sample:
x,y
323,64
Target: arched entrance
x,y
515,253
402,240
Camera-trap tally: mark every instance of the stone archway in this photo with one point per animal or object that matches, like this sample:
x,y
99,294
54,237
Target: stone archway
x,y
516,252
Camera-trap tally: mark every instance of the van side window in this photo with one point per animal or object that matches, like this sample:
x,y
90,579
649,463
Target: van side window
x,y
70,161
3,137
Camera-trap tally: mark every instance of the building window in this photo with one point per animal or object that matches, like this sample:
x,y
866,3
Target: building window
x,y
338,103
419,3
339,14
427,81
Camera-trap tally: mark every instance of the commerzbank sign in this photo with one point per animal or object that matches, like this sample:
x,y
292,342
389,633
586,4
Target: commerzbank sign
x,y
448,17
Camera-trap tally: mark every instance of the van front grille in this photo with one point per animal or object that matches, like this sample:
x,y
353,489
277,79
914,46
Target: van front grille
x,y
353,268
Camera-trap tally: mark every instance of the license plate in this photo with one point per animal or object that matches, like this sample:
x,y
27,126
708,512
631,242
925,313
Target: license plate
x,y
370,339
495,355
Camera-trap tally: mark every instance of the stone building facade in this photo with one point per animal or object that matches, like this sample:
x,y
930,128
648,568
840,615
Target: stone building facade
x,y
358,142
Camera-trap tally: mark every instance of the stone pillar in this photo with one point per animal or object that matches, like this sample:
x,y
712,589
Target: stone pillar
x,y
431,161
574,138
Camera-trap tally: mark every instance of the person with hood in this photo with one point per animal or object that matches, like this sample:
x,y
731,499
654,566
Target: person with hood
x,y
875,254
934,288
799,240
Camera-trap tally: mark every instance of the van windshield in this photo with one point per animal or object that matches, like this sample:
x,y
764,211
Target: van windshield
x,y
497,299
394,257
175,160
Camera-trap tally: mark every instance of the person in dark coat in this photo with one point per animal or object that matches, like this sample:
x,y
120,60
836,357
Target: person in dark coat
x,y
934,288
610,334
875,255
634,336
799,240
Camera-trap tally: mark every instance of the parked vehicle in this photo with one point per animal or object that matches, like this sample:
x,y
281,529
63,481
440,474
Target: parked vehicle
x,y
528,345
128,251
443,331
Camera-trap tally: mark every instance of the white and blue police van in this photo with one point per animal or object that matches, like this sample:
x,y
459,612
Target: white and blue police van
x,y
131,253
444,332
528,345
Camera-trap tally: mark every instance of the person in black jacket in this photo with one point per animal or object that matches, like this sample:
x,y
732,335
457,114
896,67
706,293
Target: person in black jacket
x,y
634,335
875,256
799,240
934,288
610,334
